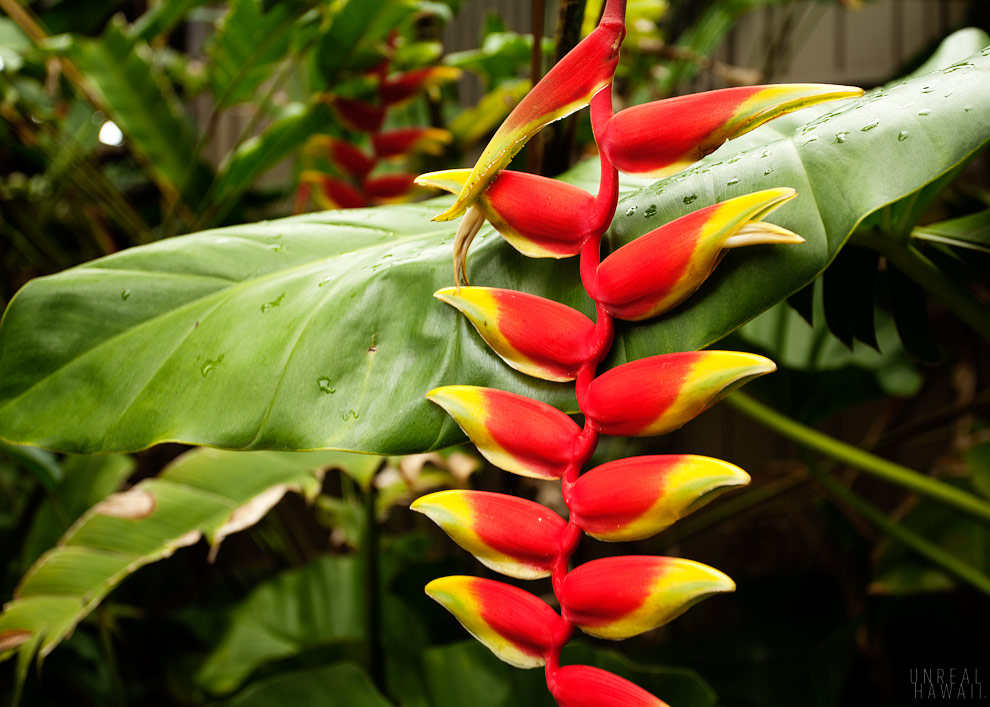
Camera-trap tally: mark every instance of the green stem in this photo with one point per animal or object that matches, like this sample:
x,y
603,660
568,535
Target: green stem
x,y
913,263
854,456
373,617
908,538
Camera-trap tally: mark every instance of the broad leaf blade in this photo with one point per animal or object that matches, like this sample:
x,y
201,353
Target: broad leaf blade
x,y
205,492
971,232
322,332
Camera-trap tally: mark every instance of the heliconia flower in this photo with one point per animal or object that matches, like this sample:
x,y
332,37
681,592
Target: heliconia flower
x,y
586,686
662,137
620,597
635,498
516,537
402,141
333,193
359,115
513,432
402,87
566,88
659,270
389,186
658,394
540,217
534,335
346,156
516,626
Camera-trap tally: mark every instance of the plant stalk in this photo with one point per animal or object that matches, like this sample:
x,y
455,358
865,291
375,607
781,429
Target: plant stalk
x,y
854,456
906,537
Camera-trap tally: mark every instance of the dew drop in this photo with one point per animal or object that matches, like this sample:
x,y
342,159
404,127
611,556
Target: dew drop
x,y
650,212
734,180
269,306
125,294
733,160
841,136
869,126
768,170
765,154
902,136
924,112
631,210
810,140
927,89
947,93
349,415
690,198
324,384
210,364
324,281
968,108
276,248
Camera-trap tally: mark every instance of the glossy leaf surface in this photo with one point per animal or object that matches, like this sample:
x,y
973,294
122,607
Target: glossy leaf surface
x,y
236,337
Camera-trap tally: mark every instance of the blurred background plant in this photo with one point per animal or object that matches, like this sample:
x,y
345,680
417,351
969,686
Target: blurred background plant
x,y
128,122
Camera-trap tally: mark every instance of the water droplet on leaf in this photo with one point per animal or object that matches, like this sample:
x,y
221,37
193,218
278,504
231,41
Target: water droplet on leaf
x,y
324,384
869,126
125,294
650,212
768,170
210,364
841,136
269,306
690,198
631,210
902,136
734,180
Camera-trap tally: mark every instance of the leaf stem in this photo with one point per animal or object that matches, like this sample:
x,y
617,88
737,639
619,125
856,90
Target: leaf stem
x,y
906,537
854,456
913,263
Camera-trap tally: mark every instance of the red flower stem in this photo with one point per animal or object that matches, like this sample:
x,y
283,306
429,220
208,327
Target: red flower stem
x,y
601,341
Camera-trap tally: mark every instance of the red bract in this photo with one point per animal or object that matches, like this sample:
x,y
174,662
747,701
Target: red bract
x,y
585,686
336,194
397,89
359,115
349,158
658,271
632,499
534,335
658,394
389,186
513,432
395,143
510,535
567,87
620,597
515,625
665,136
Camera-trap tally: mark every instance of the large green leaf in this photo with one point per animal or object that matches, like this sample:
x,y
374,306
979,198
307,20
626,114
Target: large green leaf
x,y
319,604
141,101
321,332
338,685
204,493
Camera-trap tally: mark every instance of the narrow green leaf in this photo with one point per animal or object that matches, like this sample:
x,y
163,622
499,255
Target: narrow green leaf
x,y
205,492
162,17
339,685
39,462
141,102
250,40
317,605
349,26
290,131
971,232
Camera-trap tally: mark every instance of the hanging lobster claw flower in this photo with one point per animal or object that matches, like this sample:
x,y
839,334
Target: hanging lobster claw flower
x,y
513,432
566,88
389,186
585,686
659,270
516,626
636,498
663,137
620,597
534,335
400,88
359,115
658,394
332,193
402,141
516,537
346,156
